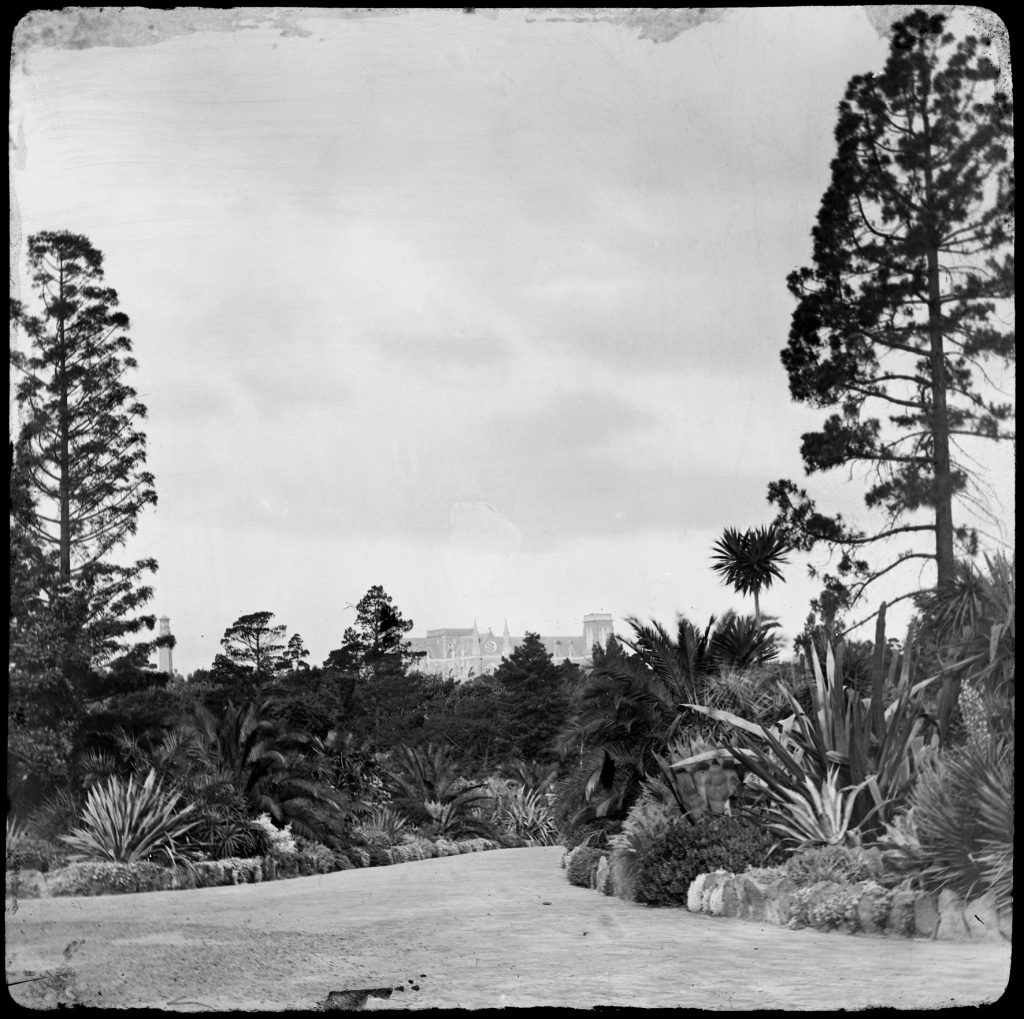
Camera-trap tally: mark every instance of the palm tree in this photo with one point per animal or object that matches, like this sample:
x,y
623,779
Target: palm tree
x,y
749,560
273,772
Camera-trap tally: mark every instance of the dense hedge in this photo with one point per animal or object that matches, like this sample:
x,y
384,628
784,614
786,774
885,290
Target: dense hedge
x,y
110,878
666,867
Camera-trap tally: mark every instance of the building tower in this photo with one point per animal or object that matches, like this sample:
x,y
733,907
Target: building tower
x,y
163,654
597,628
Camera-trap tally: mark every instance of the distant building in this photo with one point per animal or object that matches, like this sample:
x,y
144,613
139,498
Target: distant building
x,y
465,652
164,662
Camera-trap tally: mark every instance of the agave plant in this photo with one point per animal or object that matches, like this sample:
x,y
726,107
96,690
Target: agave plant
x,y
816,815
877,743
383,826
525,812
127,822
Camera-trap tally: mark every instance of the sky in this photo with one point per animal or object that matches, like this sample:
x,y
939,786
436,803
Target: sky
x,y
483,308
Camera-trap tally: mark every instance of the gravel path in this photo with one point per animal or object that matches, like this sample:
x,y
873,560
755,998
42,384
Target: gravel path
x,y
490,929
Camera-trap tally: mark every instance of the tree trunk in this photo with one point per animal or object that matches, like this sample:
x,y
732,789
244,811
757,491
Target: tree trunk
x,y
943,494
64,426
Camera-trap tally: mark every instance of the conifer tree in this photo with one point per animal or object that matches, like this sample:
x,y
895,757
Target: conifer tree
x,y
535,698
254,644
376,650
905,302
81,447
78,488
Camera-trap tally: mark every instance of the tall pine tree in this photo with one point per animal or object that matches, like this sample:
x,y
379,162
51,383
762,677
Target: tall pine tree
x,y
905,302
78,489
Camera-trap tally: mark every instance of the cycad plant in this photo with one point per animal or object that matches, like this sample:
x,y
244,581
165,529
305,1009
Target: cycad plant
x,y
124,821
273,772
629,712
426,786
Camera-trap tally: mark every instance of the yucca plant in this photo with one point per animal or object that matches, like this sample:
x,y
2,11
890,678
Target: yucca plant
x,y
127,822
963,813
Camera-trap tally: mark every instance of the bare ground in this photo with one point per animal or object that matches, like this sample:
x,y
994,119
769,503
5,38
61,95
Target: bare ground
x,y
477,931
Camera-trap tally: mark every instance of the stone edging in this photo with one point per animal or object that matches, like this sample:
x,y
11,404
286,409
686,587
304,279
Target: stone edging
x,y
865,907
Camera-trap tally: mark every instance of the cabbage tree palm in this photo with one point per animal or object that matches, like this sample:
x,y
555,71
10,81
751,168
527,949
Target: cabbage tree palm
x,y
749,560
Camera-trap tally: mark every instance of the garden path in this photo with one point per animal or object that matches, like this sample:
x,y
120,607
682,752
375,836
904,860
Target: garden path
x,y
490,929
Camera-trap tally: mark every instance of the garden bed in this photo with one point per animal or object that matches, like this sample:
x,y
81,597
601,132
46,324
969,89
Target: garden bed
x,y
771,895
104,878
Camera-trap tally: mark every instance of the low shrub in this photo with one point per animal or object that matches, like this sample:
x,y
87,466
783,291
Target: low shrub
x,y
230,871
666,866
108,878
342,860
426,849
359,856
508,840
825,905
31,852
318,858
280,841
646,823
828,863
377,856
581,865
24,884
